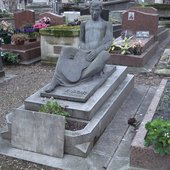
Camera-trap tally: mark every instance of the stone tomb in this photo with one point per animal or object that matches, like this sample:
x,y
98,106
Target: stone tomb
x,y
141,19
29,52
96,112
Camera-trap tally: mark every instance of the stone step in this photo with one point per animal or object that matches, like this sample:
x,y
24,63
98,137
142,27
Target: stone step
x,y
81,142
83,110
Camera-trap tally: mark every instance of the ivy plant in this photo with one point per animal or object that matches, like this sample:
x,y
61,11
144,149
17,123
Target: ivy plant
x,y
53,107
158,136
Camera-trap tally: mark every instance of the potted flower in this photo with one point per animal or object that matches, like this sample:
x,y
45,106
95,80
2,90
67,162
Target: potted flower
x,y
6,31
19,38
31,32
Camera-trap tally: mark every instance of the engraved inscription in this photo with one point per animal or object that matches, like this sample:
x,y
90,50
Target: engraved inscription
x,y
75,92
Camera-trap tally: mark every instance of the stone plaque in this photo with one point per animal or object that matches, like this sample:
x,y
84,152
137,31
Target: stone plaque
x,y
83,91
38,132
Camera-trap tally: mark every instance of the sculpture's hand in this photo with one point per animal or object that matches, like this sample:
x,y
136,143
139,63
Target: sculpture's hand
x,y
91,56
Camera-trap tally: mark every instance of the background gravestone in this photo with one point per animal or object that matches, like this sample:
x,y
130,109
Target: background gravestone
x,y
145,19
22,18
55,19
104,14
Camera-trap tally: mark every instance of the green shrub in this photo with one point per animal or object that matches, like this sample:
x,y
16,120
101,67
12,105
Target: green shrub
x,y
10,58
158,136
53,107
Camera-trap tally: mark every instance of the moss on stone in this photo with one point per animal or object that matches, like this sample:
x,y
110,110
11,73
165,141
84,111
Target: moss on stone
x,y
159,6
61,31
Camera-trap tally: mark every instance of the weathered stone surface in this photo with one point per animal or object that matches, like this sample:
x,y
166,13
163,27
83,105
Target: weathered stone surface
x,y
88,109
97,159
51,46
55,19
22,18
82,91
141,156
135,20
38,132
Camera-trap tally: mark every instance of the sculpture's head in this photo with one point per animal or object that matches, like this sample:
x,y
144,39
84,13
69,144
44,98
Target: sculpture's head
x,y
95,9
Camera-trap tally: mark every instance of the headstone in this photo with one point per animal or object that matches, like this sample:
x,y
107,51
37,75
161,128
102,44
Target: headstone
x,y
55,19
22,18
70,16
137,20
38,132
104,14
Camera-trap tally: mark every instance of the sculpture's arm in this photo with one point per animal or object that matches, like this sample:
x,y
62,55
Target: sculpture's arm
x,y
82,36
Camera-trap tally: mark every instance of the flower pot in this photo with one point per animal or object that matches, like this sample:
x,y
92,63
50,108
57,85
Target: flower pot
x,y
19,42
32,40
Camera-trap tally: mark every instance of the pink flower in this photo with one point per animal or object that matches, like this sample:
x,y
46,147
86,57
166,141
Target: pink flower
x,y
40,25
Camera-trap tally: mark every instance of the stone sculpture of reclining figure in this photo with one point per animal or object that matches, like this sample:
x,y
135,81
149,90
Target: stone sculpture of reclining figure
x,y
76,64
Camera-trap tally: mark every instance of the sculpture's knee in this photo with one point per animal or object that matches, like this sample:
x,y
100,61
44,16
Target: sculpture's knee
x,y
68,51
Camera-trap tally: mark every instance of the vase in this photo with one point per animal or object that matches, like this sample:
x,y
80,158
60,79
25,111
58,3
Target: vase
x,y
19,42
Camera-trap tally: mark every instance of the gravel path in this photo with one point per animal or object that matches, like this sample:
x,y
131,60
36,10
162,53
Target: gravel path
x,y
27,81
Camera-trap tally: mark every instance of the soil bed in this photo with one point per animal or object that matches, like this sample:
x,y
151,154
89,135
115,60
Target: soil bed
x,y
74,125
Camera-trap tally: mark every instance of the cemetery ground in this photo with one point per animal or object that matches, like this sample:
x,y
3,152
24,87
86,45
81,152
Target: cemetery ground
x,y
27,81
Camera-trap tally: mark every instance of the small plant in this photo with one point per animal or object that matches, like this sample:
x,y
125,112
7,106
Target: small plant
x,y
53,107
158,136
10,58
121,45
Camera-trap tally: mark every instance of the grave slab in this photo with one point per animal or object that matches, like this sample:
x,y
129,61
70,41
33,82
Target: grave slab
x,y
82,91
38,132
